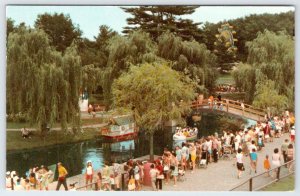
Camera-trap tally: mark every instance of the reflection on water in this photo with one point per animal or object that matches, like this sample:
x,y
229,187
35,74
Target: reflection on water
x,y
75,156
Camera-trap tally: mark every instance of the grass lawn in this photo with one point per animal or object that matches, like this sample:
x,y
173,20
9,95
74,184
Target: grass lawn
x,y
91,121
286,184
225,79
14,141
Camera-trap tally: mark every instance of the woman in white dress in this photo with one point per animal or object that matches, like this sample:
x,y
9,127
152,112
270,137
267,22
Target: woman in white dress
x,y
276,161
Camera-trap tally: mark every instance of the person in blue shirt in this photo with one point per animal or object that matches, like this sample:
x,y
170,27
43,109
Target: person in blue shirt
x,y
253,160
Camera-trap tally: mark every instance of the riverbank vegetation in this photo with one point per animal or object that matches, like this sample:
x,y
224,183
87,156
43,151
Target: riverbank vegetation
x,y
15,141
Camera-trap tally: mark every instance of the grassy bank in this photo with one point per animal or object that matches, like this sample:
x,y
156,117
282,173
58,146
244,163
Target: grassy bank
x,y
286,184
88,121
14,141
225,79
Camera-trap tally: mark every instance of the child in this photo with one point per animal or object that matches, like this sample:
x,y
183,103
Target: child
x,y
112,182
260,142
180,170
267,165
153,174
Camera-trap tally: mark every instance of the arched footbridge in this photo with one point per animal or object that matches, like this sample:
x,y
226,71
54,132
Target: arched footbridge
x,y
231,107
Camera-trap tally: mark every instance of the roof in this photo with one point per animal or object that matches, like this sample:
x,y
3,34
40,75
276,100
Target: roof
x,y
123,120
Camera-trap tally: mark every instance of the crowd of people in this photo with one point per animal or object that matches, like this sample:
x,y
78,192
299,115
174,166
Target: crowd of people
x,y
38,178
186,132
226,88
172,165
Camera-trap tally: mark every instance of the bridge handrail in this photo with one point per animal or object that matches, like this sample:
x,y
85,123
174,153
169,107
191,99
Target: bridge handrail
x,y
231,104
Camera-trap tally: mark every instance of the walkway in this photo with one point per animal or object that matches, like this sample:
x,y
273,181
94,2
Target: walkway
x,y
221,176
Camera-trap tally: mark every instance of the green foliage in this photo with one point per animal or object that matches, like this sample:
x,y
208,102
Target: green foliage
x,y
151,89
267,96
231,123
189,57
123,51
158,19
270,59
247,29
59,28
41,83
9,26
156,93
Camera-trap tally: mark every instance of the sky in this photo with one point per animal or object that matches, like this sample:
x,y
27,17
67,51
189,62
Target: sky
x,y
89,18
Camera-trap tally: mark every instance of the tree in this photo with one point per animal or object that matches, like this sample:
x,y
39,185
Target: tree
x,y
247,29
189,57
270,58
155,92
59,28
42,83
158,19
265,92
123,51
10,26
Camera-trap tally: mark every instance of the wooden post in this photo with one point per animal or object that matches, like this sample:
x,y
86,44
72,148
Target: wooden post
x,y
123,182
227,105
250,184
12,184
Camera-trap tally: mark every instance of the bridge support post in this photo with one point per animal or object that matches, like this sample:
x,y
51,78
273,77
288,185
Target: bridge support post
x,y
227,105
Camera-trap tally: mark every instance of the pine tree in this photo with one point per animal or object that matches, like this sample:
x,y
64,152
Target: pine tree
x,y
158,19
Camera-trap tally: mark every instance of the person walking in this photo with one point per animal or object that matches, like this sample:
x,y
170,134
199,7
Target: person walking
x,y
284,148
62,176
276,160
160,175
267,165
290,156
253,160
240,163
153,174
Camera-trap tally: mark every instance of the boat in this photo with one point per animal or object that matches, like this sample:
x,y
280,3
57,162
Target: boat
x,y
179,135
120,128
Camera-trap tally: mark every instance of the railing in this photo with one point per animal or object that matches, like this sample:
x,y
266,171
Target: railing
x,y
231,104
260,181
94,185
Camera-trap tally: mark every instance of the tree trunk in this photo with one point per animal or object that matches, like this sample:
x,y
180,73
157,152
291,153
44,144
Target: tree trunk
x,y
151,147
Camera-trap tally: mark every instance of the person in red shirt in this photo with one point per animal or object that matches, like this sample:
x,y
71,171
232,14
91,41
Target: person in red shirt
x,y
160,175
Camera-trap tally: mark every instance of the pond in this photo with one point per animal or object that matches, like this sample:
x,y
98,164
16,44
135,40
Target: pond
x,y
75,156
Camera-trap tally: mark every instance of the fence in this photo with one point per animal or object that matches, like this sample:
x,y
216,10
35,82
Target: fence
x,y
94,185
260,181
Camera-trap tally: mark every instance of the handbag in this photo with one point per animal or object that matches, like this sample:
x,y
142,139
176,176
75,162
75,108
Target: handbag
x,y
166,168
161,177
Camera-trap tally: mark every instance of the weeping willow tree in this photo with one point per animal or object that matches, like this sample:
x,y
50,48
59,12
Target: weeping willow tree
x,y
124,51
270,65
155,92
41,83
189,57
